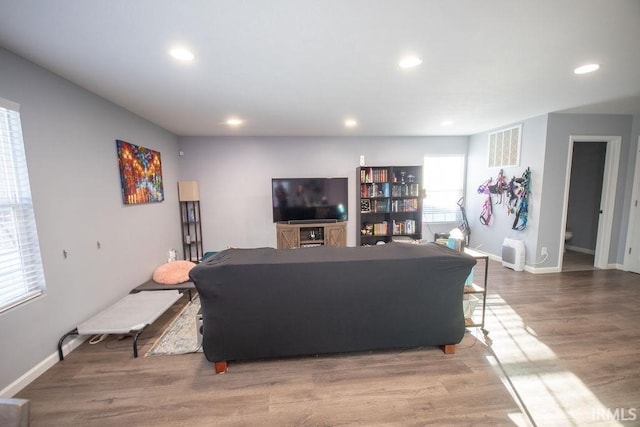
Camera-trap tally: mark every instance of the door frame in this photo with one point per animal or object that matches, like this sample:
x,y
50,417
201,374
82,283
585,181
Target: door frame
x,y
607,199
633,216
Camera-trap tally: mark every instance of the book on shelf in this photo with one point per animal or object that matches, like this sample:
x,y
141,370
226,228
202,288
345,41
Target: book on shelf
x,y
377,229
381,229
405,190
370,190
380,205
368,175
404,205
404,227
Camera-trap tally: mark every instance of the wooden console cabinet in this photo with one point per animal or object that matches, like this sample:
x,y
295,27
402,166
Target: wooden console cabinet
x,y
300,235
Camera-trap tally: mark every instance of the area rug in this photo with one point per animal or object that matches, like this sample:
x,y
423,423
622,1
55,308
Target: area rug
x,y
180,337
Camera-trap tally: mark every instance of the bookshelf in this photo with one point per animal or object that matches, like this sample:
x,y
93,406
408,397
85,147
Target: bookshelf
x,y
390,200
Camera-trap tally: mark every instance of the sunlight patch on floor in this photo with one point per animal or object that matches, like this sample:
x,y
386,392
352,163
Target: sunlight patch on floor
x,y
550,395
515,342
559,399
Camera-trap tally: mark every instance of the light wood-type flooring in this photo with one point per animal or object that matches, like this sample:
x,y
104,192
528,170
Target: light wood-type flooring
x,y
563,349
577,261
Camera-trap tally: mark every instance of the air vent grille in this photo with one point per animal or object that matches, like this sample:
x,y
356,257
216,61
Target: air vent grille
x,y
504,147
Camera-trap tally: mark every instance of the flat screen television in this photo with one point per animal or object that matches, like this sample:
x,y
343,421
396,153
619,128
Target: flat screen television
x,y
309,199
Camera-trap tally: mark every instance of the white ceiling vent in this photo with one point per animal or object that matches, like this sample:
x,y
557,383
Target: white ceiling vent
x,y
504,147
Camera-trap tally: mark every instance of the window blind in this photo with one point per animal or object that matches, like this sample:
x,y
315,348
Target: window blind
x,y
21,273
444,184
440,207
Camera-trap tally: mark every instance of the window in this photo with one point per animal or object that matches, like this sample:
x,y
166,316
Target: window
x,y
21,275
504,147
444,185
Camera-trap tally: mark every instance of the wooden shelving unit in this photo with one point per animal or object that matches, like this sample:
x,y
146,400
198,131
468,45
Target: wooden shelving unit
x,y
192,248
390,201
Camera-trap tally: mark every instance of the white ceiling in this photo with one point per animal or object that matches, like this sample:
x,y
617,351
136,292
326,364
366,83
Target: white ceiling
x,y
300,67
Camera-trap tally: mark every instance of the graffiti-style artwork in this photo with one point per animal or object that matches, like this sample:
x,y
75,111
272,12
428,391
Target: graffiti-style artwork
x,y
140,174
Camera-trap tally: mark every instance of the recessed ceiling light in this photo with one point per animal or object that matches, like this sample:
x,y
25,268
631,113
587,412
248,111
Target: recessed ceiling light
x,y
447,123
587,68
350,123
410,62
234,122
182,54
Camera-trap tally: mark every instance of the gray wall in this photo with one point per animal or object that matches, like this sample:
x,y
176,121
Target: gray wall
x,y
545,148
583,209
235,176
631,164
489,238
560,128
70,138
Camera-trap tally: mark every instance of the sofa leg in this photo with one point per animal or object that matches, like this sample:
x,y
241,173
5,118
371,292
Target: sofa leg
x,y
448,348
221,367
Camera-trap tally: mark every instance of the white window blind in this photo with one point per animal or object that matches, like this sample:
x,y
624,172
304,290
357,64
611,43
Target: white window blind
x,y
21,274
444,185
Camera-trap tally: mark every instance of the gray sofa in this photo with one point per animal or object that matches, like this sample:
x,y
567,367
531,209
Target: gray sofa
x,y
265,302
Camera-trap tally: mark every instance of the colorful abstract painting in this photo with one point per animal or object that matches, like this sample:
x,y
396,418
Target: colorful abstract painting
x,y
140,174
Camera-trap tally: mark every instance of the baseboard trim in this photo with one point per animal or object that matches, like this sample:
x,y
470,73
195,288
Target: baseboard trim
x,y
542,270
527,268
33,373
556,269
581,250
492,256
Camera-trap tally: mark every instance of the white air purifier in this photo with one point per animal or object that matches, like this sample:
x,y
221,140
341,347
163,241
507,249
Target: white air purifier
x,y
513,254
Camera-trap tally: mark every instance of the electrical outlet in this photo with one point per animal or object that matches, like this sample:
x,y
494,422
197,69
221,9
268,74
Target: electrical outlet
x,y
543,251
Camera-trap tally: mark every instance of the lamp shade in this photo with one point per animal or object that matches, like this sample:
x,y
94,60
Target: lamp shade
x,y
188,191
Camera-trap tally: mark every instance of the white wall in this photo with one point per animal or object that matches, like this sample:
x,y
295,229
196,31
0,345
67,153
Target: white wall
x,y
235,176
69,137
489,238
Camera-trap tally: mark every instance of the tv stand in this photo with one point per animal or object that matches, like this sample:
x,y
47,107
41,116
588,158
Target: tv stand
x,y
312,221
300,234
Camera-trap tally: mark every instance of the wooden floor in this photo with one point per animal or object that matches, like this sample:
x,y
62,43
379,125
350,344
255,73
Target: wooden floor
x,y
563,350
577,261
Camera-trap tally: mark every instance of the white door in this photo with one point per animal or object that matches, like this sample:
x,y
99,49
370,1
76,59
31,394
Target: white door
x,y
608,200
632,254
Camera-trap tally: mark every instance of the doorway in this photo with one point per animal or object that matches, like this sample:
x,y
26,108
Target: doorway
x,y
583,209
591,180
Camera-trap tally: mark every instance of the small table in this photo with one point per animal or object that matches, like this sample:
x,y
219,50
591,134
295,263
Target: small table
x,y
473,288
